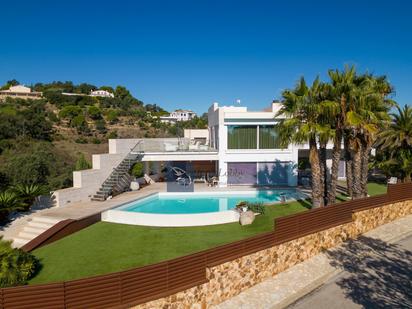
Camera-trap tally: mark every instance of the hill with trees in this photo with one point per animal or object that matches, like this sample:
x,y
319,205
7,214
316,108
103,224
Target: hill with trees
x,y
43,141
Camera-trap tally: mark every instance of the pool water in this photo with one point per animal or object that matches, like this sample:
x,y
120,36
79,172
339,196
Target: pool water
x,y
203,202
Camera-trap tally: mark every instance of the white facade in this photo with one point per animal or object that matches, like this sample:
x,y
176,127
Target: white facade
x,y
261,164
101,93
178,115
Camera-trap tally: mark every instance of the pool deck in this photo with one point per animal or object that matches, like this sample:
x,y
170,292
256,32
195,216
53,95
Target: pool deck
x,y
88,208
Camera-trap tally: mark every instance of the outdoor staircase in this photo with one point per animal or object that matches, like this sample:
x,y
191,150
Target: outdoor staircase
x,y
119,180
33,228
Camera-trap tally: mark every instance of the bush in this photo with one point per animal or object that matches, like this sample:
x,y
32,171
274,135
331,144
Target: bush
x,y
96,141
111,116
100,126
82,163
16,266
28,194
94,112
81,140
258,207
112,134
9,201
31,165
138,170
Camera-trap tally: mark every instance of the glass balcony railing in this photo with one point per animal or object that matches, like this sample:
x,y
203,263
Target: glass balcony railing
x,y
154,145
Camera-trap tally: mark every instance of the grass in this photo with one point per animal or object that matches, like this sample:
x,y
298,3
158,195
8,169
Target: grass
x,y
374,188
107,247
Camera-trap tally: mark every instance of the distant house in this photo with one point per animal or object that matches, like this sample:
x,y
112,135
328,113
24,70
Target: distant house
x,y
178,115
95,93
20,91
101,93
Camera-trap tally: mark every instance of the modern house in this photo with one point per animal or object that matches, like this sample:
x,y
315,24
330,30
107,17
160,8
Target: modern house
x,y
20,91
178,115
239,147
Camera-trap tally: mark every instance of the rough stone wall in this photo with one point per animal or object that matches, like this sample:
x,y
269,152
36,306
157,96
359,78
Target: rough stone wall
x,y
231,278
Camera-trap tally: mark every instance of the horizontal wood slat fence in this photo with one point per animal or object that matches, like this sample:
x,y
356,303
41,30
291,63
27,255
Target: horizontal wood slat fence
x,y
139,285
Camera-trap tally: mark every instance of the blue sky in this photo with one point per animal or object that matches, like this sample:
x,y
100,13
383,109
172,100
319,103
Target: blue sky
x,y
188,54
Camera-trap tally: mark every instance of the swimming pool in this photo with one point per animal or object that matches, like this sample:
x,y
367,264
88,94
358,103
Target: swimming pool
x,y
192,208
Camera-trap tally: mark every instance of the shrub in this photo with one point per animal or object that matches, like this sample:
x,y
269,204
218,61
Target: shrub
x,y
112,134
81,140
111,116
94,112
100,126
138,170
96,141
28,194
9,201
82,163
16,266
258,207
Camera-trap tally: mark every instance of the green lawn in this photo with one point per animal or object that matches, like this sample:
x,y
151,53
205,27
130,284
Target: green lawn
x,y
376,188
373,189
107,247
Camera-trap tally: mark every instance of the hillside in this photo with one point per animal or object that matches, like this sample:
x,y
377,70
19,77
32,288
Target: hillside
x,y
42,141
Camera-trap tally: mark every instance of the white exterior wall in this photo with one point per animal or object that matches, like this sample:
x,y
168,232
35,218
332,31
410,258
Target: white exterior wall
x,y
221,117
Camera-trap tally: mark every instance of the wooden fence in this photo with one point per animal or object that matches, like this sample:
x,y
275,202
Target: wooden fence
x,y
139,285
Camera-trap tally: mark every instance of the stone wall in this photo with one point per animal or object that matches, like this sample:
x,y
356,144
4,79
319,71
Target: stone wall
x,y
231,278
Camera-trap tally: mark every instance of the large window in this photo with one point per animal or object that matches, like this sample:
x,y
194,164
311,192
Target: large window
x,y
268,138
242,137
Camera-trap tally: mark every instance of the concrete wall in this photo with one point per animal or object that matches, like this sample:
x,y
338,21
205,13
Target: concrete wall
x,y
87,182
231,278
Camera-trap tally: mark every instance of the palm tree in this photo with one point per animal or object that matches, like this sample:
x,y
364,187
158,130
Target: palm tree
x,y
396,140
365,117
302,109
28,193
341,91
9,201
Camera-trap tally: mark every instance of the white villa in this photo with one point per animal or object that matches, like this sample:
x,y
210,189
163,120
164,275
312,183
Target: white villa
x,y
178,115
101,93
239,147
20,91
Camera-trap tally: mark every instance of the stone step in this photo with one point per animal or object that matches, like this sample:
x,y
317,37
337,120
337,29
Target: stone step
x,y
33,230
98,199
27,235
102,192
44,219
40,225
19,242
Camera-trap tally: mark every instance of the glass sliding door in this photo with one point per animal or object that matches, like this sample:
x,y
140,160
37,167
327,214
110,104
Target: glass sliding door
x,y
242,137
242,173
268,137
273,173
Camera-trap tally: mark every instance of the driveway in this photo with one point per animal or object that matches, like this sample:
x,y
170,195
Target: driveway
x,y
375,275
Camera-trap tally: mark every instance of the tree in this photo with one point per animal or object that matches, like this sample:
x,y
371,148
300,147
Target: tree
x,y
395,145
302,108
341,91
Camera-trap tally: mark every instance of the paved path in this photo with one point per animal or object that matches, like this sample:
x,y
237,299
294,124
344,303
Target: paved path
x,y
388,262
375,275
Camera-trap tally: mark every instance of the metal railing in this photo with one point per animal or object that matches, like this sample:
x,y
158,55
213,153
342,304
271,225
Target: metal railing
x,y
156,145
